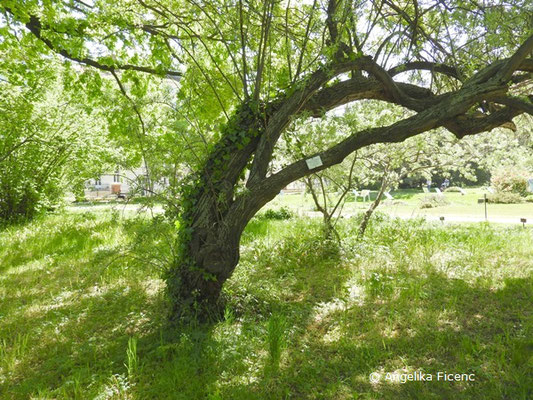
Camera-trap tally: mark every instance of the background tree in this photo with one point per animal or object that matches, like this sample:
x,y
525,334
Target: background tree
x,y
50,144
249,69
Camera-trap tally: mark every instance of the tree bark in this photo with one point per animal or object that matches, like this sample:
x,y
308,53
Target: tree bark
x,y
210,229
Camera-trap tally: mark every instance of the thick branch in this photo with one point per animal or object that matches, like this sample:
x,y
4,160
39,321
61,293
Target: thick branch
x,y
490,71
331,23
344,92
517,103
388,83
427,66
316,100
513,63
465,126
289,107
438,115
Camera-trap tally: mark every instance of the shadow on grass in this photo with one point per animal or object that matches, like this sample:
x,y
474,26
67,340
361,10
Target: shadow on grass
x,y
466,330
410,321
69,305
80,343
403,321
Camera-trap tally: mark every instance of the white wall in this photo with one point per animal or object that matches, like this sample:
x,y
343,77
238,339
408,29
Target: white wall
x,y
102,187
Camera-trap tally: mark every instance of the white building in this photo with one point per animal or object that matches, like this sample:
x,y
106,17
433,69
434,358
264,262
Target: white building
x,y
121,184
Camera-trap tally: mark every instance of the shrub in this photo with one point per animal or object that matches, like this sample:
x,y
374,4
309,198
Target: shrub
x,y
504,198
453,189
282,213
510,180
434,200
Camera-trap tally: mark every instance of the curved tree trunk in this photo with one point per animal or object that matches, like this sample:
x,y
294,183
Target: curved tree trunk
x,y
210,253
215,213
214,217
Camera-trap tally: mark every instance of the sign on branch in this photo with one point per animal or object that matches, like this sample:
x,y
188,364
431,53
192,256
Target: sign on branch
x,y
314,162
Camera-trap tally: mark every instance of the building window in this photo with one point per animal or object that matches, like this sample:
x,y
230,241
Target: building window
x,y
98,181
116,177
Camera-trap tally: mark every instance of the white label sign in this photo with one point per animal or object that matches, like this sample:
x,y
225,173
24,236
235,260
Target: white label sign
x,y
314,162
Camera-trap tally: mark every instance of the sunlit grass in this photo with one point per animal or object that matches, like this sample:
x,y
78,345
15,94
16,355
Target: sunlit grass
x,y
407,204
82,312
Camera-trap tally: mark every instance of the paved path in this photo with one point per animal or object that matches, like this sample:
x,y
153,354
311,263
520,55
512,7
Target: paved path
x,y
462,218
447,218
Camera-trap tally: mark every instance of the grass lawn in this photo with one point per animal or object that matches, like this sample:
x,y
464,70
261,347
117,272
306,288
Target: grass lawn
x,y
82,312
407,204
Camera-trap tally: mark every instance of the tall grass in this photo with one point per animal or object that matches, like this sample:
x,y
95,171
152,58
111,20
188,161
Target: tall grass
x,y
10,353
276,339
133,361
82,312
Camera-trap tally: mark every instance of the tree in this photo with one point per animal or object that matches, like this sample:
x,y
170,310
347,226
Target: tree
x,y
248,69
49,144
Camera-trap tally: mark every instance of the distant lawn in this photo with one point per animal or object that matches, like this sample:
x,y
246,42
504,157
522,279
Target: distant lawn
x,y
407,204
82,312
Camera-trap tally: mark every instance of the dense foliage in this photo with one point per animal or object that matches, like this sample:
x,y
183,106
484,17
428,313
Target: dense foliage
x,y
50,143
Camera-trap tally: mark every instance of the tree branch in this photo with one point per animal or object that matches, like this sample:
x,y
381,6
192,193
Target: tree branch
x,y
513,63
285,109
517,103
34,25
441,114
426,65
